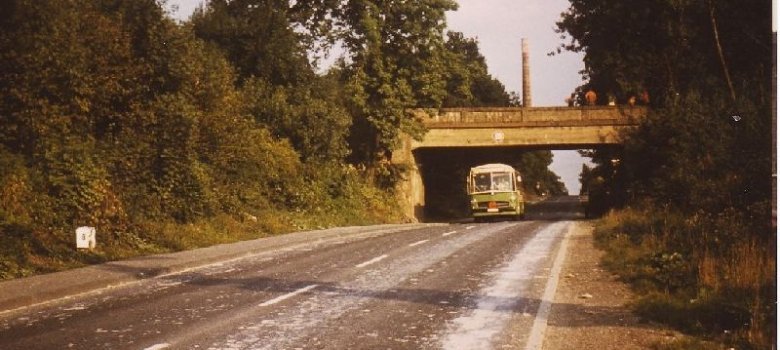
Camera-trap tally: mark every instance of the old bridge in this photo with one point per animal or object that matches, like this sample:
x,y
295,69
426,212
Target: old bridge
x,y
526,127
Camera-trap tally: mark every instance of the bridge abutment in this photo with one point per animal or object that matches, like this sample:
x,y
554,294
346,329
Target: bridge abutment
x,y
410,189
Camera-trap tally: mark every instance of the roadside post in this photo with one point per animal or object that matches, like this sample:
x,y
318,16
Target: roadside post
x,y
85,238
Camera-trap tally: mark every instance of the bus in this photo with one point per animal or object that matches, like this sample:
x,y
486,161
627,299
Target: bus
x,y
495,191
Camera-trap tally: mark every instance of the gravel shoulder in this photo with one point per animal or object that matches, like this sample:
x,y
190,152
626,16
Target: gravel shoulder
x,y
590,310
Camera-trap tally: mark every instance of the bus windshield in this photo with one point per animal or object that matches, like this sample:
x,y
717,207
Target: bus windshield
x,y
495,181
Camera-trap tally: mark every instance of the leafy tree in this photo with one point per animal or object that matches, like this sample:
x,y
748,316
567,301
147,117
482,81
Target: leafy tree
x,y
669,47
121,114
278,86
680,52
258,37
311,117
468,83
396,49
537,176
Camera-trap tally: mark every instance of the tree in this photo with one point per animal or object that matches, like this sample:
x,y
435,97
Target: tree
x,y
468,83
668,47
700,130
257,36
396,49
279,88
537,176
119,113
312,117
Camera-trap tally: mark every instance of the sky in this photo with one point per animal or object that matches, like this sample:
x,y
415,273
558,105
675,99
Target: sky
x,y
499,26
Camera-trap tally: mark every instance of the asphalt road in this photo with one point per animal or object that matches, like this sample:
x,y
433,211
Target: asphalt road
x,y
454,286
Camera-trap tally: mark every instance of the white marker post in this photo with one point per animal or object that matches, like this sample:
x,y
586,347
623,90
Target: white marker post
x,y
85,238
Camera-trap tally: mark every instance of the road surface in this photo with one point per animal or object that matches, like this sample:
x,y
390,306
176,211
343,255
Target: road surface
x,y
453,286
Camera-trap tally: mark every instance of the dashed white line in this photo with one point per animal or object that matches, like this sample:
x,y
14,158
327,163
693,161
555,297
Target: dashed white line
x,y
445,234
158,346
289,295
366,263
470,227
418,243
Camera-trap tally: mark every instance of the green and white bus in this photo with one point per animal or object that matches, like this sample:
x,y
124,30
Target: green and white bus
x,y
495,191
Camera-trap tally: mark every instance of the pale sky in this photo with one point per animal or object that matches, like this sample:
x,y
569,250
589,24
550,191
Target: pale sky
x,y
499,26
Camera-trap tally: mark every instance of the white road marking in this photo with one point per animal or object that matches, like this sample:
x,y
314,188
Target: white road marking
x,y
302,322
536,338
418,243
289,295
374,260
158,346
476,328
76,307
169,283
470,227
445,234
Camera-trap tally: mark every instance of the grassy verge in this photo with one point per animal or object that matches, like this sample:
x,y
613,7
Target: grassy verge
x,y
27,249
709,276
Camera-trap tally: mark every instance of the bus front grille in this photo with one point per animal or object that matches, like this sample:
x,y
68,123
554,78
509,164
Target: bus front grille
x,y
498,204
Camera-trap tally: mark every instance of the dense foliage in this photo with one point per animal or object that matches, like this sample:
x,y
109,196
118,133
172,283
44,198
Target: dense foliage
x,y
700,165
168,135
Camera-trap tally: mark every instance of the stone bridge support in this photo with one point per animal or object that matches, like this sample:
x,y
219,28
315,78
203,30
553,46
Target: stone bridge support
x,y
410,190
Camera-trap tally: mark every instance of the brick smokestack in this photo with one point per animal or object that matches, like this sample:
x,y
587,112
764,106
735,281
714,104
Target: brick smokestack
x,y
526,75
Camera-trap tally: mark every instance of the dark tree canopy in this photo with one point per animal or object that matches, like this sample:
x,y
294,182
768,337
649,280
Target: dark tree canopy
x,y
671,47
468,82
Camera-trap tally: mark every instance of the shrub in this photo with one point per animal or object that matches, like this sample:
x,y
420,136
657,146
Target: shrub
x,y
708,275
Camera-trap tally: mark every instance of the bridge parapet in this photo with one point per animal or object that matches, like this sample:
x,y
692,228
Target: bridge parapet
x,y
532,116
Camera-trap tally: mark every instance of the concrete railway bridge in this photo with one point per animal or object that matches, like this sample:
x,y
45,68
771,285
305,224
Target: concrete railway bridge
x,y
462,129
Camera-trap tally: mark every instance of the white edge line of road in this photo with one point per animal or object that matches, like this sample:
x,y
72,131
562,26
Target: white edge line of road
x,y
158,346
445,234
289,295
470,227
366,263
536,338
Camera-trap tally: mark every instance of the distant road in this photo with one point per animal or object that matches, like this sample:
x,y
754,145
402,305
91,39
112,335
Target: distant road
x,y
457,286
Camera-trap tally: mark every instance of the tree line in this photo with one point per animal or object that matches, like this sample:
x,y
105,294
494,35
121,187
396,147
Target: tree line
x,y
114,115
695,179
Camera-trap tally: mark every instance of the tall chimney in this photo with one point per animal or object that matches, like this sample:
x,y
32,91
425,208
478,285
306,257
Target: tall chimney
x,y
526,75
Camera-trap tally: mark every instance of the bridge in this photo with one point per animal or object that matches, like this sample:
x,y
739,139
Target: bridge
x,y
530,127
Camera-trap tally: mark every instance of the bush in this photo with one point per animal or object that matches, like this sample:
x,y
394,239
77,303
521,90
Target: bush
x,y
708,275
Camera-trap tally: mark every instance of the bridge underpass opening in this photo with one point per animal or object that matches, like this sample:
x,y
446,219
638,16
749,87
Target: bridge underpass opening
x,y
515,128
443,171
